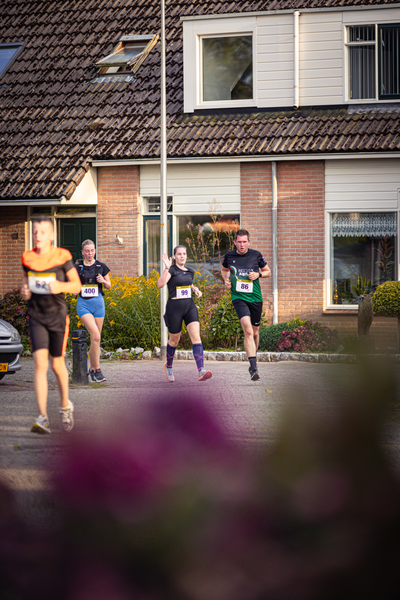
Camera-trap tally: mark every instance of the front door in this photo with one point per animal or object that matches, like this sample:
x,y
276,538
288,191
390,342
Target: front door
x,y
72,232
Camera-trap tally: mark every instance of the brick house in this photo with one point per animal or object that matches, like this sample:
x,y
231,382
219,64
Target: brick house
x,y
298,97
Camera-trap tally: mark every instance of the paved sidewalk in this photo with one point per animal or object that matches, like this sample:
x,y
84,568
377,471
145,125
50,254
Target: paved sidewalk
x,y
248,410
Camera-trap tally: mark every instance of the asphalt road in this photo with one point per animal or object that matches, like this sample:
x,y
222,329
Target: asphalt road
x,y
250,411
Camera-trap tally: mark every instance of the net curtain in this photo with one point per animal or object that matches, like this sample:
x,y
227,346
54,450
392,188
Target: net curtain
x,y
375,225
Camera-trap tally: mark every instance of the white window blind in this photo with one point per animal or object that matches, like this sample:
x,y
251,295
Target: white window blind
x,y
364,224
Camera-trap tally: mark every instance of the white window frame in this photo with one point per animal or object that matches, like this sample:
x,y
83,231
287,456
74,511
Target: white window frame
x,y
348,45
193,33
328,251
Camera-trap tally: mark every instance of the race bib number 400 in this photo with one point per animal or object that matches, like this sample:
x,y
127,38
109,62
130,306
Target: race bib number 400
x,y
38,283
90,291
184,292
244,285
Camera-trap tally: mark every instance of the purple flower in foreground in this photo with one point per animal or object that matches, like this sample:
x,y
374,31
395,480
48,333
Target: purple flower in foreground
x,y
140,457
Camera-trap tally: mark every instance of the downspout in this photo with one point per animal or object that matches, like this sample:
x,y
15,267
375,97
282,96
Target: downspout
x,y
296,66
274,244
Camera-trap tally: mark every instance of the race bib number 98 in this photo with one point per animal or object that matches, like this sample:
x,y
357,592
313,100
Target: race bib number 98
x,y
244,285
38,283
184,292
90,291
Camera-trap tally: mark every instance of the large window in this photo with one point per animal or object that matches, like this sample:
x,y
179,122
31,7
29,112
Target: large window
x,y
207,238
363,253
374,61
227,68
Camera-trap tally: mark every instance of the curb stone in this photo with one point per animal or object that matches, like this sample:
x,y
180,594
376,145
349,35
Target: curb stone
x,y
280,356
241,356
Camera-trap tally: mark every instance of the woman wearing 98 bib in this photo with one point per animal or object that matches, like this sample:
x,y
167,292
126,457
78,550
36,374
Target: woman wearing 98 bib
x,y
94,275
181,307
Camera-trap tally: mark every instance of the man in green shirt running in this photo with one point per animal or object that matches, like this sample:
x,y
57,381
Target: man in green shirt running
x,y
241,271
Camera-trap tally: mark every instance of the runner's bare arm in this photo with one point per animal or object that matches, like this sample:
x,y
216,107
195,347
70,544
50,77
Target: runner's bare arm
x,y
166,276
264,272
226,276
197,292
25,291
72,286
106,281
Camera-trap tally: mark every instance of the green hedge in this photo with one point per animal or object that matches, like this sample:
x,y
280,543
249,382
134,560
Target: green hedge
x,y
270,336
386,299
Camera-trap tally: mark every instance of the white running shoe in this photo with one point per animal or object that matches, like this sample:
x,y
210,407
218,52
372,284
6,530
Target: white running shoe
x,y
169,376
41,425
204,374
67,417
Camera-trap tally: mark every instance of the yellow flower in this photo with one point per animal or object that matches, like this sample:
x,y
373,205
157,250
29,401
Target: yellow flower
x,y
112,323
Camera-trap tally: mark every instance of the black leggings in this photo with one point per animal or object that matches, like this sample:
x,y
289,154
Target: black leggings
x,y
180,310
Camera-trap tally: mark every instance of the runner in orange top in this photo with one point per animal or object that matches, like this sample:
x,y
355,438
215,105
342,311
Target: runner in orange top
x,y
49,273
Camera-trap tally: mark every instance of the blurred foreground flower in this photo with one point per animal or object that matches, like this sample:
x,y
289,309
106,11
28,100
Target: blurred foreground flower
x,y
161,506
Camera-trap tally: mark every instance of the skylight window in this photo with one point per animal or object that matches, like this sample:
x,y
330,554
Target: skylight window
x,y
129,54
8,53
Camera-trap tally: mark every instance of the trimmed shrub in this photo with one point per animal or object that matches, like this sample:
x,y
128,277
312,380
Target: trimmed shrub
x,y
13,309
224,328
310,337
386,299
270,336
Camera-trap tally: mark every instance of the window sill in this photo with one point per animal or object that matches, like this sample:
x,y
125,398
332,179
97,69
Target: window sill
x,y
343,310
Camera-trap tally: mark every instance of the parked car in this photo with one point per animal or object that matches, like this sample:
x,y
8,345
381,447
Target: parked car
x,y
10,349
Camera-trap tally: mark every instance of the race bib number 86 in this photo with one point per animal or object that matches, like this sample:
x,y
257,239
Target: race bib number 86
x,y
244,285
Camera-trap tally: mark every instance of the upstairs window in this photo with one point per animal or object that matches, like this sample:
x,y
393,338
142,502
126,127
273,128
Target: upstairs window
x,y
8,54
374,62
129,54
227,68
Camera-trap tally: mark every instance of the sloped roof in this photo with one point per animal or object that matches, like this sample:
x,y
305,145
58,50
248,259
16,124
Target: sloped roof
x,y
55,117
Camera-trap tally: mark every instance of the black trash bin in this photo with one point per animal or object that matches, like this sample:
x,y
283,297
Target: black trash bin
x,y
79,357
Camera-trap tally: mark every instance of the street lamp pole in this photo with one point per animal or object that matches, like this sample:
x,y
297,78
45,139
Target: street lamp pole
x,y
163,184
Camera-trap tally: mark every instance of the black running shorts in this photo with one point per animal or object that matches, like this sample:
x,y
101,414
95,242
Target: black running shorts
x,y
249,309
53,339
180,310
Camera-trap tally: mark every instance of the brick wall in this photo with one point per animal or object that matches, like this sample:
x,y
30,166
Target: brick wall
x,y
12,245
118,214
301,245
256,217
301,196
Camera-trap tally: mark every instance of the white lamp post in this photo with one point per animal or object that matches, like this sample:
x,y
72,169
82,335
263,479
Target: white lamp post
x,y
163,184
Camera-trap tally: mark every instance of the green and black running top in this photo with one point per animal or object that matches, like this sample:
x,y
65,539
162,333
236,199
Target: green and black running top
x,y
240,266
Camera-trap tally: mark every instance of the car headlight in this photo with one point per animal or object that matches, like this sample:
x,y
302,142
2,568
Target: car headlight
x,y
15,337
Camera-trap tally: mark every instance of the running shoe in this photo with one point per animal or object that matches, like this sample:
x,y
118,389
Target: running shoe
x,y
67,417
92,377
41,425
254,376
204,374
96,376
169,376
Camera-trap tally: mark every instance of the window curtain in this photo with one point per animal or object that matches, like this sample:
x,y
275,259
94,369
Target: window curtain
x,y
375,225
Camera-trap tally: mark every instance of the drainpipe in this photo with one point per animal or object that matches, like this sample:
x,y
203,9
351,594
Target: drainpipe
x,y
296,86
274,245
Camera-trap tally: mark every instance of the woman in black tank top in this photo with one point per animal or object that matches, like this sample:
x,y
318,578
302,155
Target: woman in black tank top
x,y
181,307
